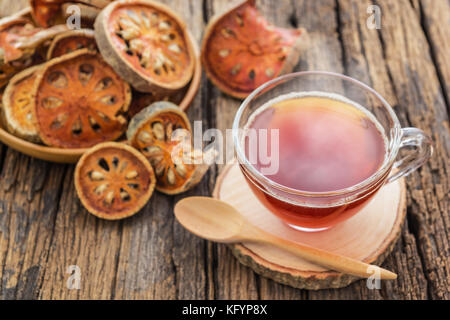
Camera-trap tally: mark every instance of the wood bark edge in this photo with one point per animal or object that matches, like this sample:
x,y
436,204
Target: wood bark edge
x,y
312,280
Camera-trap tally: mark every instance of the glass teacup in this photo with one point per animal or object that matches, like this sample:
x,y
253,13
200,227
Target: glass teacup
x,y
308,210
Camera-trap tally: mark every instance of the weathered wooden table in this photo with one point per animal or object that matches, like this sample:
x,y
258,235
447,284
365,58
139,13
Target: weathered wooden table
x,y
44,230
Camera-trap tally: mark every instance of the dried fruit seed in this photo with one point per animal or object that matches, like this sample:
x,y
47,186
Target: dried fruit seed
x,y
236,69
109,197
137,45
181,169
269,72
131,175
134,17
159,169
174,48
164,25
170,176
158,130
152,151
101,188
96,175
224,53
145,137
125,196
130,33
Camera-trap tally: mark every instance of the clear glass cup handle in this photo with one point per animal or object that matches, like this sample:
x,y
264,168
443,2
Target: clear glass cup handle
x,y
412,137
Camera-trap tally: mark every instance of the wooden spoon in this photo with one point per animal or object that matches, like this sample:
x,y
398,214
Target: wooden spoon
x,y
217,221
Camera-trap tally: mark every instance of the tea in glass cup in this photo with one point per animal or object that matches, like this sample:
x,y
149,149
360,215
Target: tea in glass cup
x,y
332,152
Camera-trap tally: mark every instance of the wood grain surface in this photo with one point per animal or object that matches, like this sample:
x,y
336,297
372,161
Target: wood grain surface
x,y
44,229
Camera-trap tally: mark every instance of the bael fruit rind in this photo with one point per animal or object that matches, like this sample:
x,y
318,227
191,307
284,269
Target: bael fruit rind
x,y
114,181
149,133
20,40
154,110
263,54
70,41
17,111
129,66
7,52
24,44
67,114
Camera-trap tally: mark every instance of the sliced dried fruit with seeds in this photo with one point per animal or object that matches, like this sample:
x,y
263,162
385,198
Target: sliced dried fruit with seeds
x,y
70,41
80,101
18,104
20,38
19,41
241,50
146,43
151,131
11,29
114,180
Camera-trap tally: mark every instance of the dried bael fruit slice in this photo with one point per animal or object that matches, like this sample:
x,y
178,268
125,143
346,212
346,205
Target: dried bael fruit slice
x,y
70,41
147,44
241,50
114,180
80,101
150,131
19,36
12,27
18,104
21,42
20,39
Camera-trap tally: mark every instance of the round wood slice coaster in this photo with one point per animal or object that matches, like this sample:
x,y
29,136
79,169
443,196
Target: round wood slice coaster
x,y
369,236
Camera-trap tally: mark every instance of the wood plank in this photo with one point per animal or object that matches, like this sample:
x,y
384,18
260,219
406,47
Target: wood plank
x,y
421,104
189,254
163,266
324,49
436,24
82,240
145,257
241,282
29,193
364,60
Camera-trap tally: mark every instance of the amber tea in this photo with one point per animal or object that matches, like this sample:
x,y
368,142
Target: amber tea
x,y
326,143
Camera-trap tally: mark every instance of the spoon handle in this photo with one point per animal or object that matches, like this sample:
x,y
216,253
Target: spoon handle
x,y
323,258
